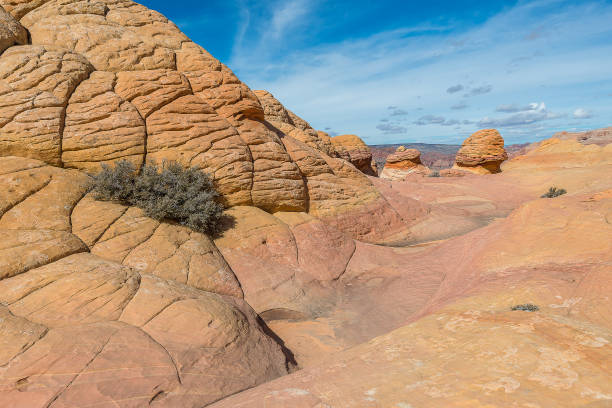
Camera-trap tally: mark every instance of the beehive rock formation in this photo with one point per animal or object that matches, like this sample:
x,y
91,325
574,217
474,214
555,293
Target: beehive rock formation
x,y
482,153
403,162
354,150
109,80
292,125
102,306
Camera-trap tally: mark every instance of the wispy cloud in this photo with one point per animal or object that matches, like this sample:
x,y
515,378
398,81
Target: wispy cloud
x,y
349,84
454,89
399,112
391,129
480,90
459,106
511,108
285,15
581,113
535,113
435,120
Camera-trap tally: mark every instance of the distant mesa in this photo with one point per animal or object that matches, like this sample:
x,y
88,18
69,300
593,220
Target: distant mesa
x,y
354,150
482,153
402,163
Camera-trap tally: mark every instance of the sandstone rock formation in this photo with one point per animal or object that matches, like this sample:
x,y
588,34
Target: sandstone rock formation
x,y
292,125
11,32
107,80
482,153
403,162
600,137
102,306
354,150
465,345
82,328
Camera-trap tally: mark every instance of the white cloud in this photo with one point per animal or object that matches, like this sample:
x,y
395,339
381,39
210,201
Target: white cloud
x,y
286,14
511,108
581,113
349,85
535,113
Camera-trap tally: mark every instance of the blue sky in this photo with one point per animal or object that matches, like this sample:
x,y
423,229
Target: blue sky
x,y
408,71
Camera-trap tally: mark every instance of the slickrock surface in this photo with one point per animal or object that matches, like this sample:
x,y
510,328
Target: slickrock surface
x,y
465,346
403,162
81,328
354,150
600,137
482,153
101,306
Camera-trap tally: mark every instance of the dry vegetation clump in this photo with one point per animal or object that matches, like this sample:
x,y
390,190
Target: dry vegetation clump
x,y
170,192
527,307
554,192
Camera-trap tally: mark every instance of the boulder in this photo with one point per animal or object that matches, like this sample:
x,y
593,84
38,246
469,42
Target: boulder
x,y
402,163
482,153
354,150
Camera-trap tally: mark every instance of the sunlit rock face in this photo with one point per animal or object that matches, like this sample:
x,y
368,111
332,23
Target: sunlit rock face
x,y
482,153
354,150
477,298
402,163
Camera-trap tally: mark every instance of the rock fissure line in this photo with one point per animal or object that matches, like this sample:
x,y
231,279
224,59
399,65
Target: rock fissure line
x,y
64,112
140,243
108,227
26,347
65,388
25,197
176,368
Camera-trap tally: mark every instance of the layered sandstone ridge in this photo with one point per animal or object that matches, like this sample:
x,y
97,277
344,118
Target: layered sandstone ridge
x,y
402,163
482,153
101,305
354,150
102,81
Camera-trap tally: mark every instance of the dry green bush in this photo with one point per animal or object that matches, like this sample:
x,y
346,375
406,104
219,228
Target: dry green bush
x,y
553,192
170,192
527,307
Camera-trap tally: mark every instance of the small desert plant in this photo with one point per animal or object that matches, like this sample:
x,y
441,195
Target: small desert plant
x,y
554,192
186,195
527,307
434,173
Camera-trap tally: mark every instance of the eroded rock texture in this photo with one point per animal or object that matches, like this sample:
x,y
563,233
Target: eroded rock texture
x,y
101,305
354,150
111,80
482,153
403,162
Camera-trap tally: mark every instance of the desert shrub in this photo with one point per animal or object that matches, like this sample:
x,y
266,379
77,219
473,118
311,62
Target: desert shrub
x,y
434,173
185,195
527,307
553,192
